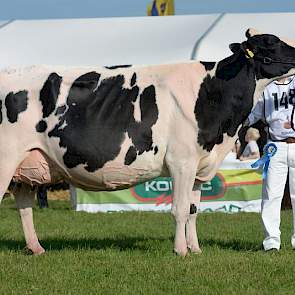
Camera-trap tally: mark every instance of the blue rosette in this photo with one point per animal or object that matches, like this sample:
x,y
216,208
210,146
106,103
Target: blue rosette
x,y
268,151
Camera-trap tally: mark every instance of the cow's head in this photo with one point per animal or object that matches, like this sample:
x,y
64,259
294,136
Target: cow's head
x,y
271,56
239,80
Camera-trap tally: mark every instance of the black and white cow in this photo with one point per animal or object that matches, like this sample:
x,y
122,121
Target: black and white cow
x,y
110,128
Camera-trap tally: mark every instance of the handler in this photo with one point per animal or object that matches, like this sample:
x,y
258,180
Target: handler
x,y
275,109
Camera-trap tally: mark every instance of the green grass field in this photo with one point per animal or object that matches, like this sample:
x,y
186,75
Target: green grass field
x,y
131,253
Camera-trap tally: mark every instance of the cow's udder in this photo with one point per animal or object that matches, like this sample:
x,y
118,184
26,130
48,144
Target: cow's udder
x,y
37,169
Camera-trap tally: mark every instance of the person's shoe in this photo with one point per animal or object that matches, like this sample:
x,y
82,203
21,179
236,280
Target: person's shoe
x,y
272,251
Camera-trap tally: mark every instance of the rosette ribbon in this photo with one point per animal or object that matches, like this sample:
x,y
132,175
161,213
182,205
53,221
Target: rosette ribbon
x,y
268,151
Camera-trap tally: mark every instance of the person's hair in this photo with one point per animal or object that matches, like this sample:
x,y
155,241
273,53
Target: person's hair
x,y
253,133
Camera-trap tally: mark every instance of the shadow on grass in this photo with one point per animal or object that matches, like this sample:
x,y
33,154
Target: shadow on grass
x,y
120,244
233,244
128,243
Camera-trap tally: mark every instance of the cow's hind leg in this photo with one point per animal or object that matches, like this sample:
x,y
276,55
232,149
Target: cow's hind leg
x,y
24,197
191,231
7,169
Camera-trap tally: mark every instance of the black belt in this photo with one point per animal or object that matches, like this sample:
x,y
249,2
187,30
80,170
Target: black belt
x,y
287,140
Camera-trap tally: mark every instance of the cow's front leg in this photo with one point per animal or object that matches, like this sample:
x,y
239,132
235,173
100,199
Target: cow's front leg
x,y
24,197
183,181
191,231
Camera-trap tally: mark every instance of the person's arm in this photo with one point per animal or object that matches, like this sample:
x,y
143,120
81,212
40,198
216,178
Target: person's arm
x,y
256,114
254,155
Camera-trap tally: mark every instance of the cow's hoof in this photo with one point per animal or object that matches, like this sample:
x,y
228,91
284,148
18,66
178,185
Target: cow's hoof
x,y
35,251
195,250
39,252
181,253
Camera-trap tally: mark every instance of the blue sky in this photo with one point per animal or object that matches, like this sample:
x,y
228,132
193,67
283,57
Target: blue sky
x,y
39,9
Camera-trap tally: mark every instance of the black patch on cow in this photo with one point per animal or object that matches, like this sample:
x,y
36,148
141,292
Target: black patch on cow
x,y
1,118
60,110
156,149
16,103
133,80
141,132
49,93
101,113
224,100
193,209
208,65
117,67
41,126
130,156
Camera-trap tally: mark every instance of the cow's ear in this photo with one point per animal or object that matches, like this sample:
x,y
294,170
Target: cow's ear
x,y
235,47
252,32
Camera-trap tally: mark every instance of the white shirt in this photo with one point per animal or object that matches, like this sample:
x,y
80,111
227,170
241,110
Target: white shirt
x,y
275,108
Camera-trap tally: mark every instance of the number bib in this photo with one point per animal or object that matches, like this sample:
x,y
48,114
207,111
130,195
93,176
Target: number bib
x,y
279,100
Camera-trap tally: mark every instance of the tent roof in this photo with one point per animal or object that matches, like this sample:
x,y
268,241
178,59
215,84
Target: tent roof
x,y
232,27
104,41
134,40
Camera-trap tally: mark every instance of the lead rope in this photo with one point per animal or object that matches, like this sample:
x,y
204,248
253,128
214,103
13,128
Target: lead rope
x,y
292,117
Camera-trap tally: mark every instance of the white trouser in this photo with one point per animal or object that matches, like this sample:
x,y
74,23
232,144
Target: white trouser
x,y
273,191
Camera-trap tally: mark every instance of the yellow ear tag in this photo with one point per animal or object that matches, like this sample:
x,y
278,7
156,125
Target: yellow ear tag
x,y
249,53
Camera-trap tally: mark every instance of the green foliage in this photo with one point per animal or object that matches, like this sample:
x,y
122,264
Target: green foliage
x,y
131,253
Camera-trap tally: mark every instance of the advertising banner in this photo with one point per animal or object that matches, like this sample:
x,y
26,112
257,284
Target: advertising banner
x,y
231,190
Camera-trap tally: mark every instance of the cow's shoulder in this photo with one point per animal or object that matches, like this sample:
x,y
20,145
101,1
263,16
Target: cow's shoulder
x,y
224,101
183,82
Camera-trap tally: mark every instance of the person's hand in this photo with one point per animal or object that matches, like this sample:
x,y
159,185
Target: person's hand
x,y
246,123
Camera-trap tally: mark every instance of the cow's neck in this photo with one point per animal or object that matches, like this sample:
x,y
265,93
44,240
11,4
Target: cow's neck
x,y
225,100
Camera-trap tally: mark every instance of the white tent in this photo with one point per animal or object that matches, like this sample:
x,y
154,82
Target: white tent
x,y
231,28
133,40
105,41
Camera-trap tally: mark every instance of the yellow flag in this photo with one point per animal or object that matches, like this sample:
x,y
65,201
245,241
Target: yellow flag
x,y
160,8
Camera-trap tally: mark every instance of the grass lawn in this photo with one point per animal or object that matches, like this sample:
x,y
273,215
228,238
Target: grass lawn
x,y
131,253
